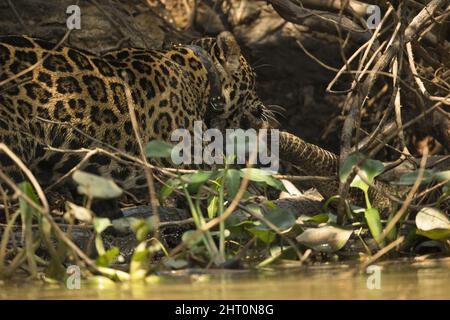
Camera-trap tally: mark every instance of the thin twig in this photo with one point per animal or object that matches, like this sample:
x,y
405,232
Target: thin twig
x,y
409,197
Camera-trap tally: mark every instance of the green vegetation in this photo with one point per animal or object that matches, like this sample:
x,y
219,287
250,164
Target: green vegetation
x,y
235,225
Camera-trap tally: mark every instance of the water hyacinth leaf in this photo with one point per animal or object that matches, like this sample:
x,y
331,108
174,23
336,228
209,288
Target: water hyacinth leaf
x,y
369,169
198,177
436,234
158,149
142,227
79,213
196,180
372,168
431,218
96,186
259,175
108,257
237,219
282,219
373,220
100,224
168,187
233,180
433,224
237,223
325,239
318,218
359,183
275,183
265,235
347,166
253,174
408,179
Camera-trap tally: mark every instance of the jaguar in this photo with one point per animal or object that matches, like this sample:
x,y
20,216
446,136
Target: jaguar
x,y
54,99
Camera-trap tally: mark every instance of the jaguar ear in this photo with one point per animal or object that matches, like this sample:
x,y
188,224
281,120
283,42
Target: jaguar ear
x,y
229,51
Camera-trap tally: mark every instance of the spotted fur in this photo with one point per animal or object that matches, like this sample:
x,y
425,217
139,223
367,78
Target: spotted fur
x,y
71,88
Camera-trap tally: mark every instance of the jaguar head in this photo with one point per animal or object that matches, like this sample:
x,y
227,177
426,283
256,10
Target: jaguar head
x,y
241,107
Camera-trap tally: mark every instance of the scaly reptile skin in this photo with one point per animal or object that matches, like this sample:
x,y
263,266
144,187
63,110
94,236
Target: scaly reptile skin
x,y
313,160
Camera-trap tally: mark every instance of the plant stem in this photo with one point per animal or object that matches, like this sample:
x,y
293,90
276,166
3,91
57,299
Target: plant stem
x,y
221,210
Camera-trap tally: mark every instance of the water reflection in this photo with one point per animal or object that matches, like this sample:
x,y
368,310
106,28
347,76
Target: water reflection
x,y
397,281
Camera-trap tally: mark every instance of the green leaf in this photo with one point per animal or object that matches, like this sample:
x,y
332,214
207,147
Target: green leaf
x,y
433,224
27,212
373,220
392,235
325,239
347,166
142,227
281,218
265,235
26,209
197,179
80,213
369,169
409,178
158,149
108,257
253,174
213,203
259,175
168,187
318,218
96,186
100,224
372,168
233,180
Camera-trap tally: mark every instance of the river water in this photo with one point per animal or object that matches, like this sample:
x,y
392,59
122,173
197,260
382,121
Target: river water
x,y
394,280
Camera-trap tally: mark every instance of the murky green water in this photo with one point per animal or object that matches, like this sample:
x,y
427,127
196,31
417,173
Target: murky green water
x,y
429,280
